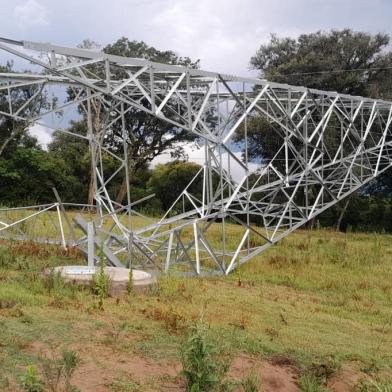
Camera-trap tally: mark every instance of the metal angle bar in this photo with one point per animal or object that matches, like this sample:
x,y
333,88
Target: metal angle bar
x,y
348,130
196,236
297,106
81,64
170,93
19,85
247,111
299,224
234,258
209,250
128,81
383,140
28,217
169,248
203,105
184,250
123,61
360,147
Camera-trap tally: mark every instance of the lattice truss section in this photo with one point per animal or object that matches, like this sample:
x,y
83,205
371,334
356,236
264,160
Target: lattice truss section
x,y
327,146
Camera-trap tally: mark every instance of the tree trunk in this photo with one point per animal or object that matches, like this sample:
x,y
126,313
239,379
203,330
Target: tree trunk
x,y
122,193
6,141
341,215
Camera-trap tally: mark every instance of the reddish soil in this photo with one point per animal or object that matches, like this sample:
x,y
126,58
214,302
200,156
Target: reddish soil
x,y
102,364
275,376
345,379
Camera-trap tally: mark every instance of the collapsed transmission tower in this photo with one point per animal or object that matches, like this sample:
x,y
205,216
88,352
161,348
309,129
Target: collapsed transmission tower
x,y
328,145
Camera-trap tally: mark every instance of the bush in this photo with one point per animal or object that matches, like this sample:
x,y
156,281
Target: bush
x,y
202,368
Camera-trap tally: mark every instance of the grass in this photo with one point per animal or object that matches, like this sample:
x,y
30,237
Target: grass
x,y
321,298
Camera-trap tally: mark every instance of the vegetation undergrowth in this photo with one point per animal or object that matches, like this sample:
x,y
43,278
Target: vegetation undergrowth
x,y
332,284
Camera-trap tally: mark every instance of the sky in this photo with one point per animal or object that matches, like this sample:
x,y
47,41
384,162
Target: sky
x,y
223,34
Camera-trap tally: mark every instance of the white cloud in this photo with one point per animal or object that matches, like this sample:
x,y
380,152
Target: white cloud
x,y
43,134
31,13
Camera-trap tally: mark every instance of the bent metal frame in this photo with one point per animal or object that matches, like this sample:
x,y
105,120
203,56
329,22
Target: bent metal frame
x,y
329,145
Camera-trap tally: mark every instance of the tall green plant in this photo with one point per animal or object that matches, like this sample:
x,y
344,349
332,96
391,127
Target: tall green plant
x,y
202,368
30,381
101,281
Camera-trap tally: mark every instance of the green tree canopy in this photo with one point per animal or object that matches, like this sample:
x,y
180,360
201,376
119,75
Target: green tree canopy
x,y
344,61
168,180
147,136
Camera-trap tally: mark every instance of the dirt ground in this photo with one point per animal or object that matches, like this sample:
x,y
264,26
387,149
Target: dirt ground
x,y
101,366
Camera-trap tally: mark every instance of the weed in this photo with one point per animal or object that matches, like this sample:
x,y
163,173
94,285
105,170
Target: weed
x,y
124,385
70,361
251,382
52,369
373,386
310,383
130,287
172,318
113,335
7,258
58,372
101,282
201,366
30,381
53,281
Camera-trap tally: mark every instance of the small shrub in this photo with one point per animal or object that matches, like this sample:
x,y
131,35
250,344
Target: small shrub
x,y
30,381
202,368
59,371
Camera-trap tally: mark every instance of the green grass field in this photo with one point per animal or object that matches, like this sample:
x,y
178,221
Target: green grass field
x,y
320,299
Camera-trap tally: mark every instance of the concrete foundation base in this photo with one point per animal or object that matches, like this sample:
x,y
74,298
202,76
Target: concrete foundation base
x,y
80,274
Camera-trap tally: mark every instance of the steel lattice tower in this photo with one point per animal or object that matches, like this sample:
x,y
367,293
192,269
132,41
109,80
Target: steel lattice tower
x,y
329,145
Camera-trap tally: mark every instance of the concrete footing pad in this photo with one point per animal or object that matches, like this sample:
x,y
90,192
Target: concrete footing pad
x,y
83,275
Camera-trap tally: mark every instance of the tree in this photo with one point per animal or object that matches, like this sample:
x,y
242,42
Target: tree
x,y
74,151
168,180
15,133
29,174
345,61
147,137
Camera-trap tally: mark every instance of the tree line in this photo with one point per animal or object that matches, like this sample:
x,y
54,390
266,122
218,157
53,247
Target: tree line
x,y
356,63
